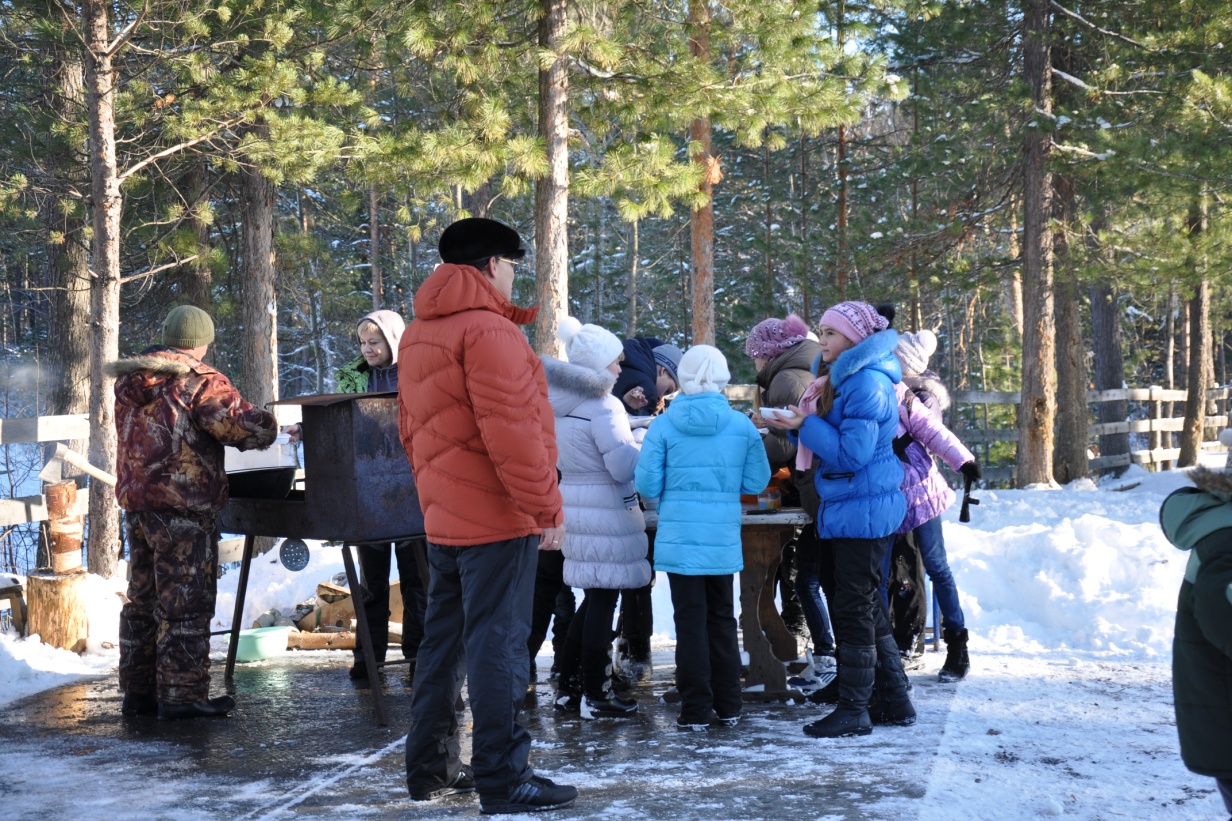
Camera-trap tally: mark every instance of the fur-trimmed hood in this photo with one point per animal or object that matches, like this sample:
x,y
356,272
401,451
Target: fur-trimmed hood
x,y
151,369
1215,482
159,361
1191,514
570,385
930,383
875,352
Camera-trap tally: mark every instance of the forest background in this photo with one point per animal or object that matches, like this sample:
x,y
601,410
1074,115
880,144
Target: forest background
x,y
1041,183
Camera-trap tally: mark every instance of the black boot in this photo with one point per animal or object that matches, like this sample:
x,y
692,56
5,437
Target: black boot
x,y
893,689
139,704
210,708
856,670
957,664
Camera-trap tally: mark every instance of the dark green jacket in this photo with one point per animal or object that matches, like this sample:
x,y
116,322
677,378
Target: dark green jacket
x,y
1199,520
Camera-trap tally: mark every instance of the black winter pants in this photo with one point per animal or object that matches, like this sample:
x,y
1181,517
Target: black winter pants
x,y
636,617
479,606
554,605
374,565
589,643
857,609
707,647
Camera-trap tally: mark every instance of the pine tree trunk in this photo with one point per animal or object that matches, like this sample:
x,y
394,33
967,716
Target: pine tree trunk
x,y
1038,409
1109,365
374,247
552,190
257,379
1199,355
68,262
106,205
701,221
194,278
1073,417
631,312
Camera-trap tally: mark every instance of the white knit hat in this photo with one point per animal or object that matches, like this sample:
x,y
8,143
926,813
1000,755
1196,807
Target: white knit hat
x,y
589,345
914,350
703,369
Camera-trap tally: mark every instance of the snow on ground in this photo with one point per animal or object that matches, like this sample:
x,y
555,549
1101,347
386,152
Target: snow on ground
x,y
1070,598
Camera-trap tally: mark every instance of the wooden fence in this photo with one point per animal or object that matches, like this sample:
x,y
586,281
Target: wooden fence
x,y
1159,427
1153,400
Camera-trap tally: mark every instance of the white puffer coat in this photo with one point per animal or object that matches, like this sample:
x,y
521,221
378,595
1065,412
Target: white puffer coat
x,y
605,533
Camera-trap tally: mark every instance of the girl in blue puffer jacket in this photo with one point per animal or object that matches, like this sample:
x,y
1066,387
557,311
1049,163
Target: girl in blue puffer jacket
x,y
697,459
846,423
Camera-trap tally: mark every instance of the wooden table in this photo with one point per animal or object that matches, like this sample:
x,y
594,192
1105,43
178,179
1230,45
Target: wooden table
x,y
765,637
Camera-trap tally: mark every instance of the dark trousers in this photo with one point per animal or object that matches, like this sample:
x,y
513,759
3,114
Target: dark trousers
x,y
809,589
374,564
554,604
479,606
858,611
172,587
636,622
589,644
707,647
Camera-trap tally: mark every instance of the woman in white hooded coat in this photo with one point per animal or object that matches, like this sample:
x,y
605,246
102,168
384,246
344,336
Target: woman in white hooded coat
x,y
605,542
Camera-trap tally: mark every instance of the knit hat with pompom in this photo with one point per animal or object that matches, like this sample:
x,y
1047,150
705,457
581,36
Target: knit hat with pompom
x,y
914,350
589,345
771,337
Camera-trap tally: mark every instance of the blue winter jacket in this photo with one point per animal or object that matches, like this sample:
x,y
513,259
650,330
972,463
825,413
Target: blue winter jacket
x,y
697,459
858,474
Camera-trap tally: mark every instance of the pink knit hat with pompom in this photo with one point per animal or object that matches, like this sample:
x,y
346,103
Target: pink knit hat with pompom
x,y
771,337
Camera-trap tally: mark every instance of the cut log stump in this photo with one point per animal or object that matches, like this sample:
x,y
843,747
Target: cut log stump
x,y
56,609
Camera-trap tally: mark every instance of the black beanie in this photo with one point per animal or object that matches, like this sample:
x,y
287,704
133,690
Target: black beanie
x,y
477,239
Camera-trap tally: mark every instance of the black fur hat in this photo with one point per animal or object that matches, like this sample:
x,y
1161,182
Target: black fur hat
x,y
477,239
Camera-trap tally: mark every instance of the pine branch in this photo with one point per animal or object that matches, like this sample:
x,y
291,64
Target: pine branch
x,y
1115,35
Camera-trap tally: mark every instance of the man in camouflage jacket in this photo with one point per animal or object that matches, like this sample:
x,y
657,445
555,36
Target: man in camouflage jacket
x,y
173,416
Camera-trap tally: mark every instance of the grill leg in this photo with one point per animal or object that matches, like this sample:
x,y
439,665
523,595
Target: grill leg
x,y
241,590
365,638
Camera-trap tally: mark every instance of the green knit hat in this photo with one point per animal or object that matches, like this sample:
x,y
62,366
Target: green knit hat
x,y
187,327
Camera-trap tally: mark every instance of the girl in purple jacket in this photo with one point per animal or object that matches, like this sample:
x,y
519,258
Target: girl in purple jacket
x,y
921,434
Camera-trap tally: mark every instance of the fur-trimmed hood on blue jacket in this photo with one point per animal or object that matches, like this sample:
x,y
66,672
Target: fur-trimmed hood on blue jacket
x,y
858,474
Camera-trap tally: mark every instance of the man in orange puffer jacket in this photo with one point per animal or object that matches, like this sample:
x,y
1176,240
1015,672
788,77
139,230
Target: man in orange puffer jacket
x,y
478,429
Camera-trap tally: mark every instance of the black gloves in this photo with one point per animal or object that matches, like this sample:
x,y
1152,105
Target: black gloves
x,y
971,471
900,444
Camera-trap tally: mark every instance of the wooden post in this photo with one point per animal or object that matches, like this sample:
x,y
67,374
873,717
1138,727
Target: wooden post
x,y
64,530
57,609
1156,415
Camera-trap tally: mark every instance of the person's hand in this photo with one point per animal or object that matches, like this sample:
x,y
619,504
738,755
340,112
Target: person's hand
x,y
792,423
296,432
552,538
971,471
758,420
636,398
